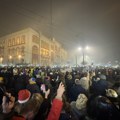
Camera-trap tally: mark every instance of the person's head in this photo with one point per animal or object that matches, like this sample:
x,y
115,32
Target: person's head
x,y
32,80
36,97
29,110
31,107
81,101
111,93
23,98
69,76
15,71
102,77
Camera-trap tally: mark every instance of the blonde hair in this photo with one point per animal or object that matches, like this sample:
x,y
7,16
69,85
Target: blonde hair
x,y
38,99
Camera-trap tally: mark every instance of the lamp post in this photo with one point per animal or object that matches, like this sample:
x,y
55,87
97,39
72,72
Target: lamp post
x,y
76,61
83,53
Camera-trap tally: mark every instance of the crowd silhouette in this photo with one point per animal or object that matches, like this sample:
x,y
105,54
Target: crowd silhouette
x,y
44,93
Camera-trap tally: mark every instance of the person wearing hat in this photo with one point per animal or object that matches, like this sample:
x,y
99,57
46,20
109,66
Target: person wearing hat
x,y
23,97
29,105
84,81
113,96
32,86
79,106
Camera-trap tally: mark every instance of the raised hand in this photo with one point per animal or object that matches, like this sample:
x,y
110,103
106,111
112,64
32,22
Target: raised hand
x,y
60,91
7,106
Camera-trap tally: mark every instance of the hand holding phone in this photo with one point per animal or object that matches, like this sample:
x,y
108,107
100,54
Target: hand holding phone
x,y
5,94
7,106
43,87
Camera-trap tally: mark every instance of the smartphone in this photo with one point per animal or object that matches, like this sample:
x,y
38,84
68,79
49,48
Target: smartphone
x,y
4,94
43,87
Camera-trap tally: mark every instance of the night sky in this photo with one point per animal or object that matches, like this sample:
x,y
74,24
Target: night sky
x,y
74,23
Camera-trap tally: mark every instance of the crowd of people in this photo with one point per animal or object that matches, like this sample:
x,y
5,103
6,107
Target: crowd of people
x,y
44,93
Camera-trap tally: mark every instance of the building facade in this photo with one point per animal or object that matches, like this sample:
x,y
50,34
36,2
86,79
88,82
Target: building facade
x,y
31,47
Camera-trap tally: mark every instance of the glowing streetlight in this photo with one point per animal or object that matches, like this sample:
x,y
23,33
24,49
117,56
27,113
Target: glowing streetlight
x,y
19,57
1,60
79,48
87,48
10,57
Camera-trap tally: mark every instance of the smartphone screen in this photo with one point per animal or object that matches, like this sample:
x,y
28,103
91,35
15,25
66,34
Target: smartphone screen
x,y
43,87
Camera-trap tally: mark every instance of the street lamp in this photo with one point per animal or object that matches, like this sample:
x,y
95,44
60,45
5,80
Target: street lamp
x,y
19,57
10,57
1,60
83,52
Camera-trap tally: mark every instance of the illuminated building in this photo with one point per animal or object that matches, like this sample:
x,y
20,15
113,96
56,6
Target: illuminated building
x,y
29,46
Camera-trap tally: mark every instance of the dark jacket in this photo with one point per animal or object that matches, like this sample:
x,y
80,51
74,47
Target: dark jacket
x,y
75,91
